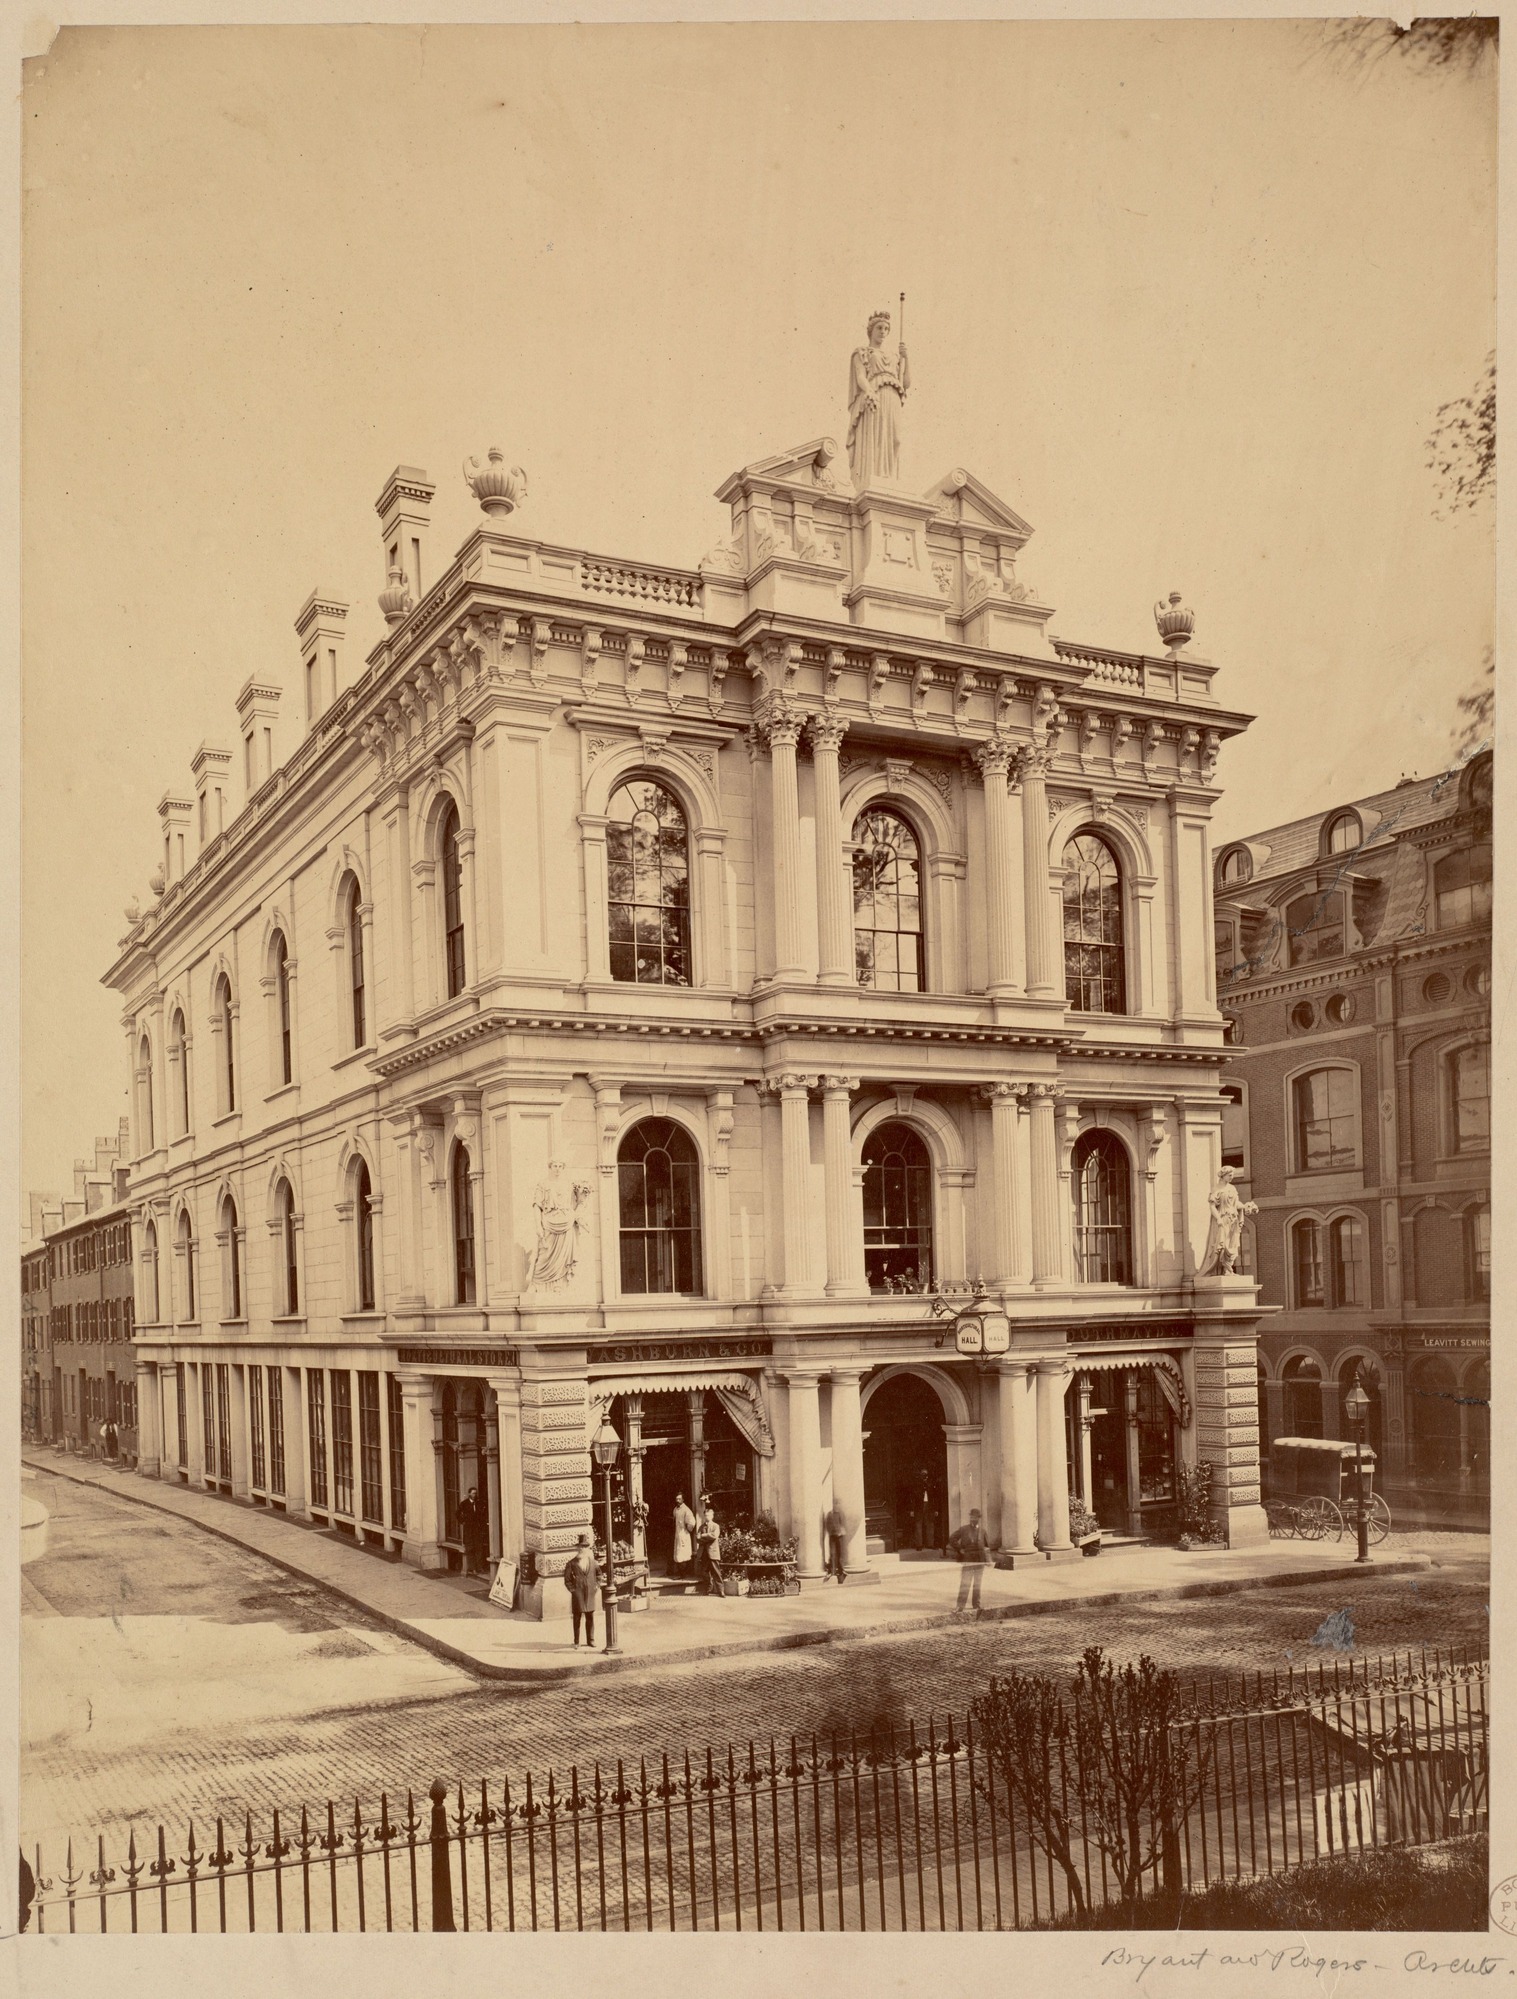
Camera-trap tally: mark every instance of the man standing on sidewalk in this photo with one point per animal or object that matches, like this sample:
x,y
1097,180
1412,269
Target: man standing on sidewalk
x,y
969,1544
836,1529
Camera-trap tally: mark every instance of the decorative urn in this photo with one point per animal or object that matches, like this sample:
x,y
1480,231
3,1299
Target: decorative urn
x,y
1175,623
395,598
497,489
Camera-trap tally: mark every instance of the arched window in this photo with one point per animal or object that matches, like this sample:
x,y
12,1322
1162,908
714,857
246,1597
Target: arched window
x,y
463,1228
1342,833
648,885
887,903
280,959
1314,928
1325,1134
1306,1258
897,1210
1462,886
233,1260
145,1093
452,900
1470,1097
1346,1261
658,1187
1237,866
1103,1209
1302,1377
1094,974
363,1217
222,1006
187,1261
179,1067
150,1272
354,924
284,1210
1477,1253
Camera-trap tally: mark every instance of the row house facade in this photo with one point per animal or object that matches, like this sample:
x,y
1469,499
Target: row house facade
x,y
1354,966
768,1006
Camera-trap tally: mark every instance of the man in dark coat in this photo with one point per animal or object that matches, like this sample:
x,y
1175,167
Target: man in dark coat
x,y
473,1529
969,1544
582,1580
836,1530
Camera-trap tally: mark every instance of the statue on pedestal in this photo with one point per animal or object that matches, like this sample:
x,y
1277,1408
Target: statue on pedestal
x,y
556,1201
877,385
1224,1239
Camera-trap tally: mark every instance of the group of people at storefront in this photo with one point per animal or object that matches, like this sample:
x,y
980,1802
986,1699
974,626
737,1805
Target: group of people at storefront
x,y
698,1545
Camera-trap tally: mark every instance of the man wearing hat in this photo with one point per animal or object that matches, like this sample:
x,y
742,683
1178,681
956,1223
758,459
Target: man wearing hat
x,y
582,1580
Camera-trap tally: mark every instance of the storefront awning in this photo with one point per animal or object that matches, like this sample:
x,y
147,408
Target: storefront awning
x,y
741,1395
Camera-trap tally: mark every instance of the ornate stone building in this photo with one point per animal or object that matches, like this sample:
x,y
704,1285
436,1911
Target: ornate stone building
x,y
681,994
1354,964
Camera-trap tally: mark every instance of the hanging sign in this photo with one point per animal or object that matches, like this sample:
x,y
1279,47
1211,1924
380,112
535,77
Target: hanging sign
x,y
969,1333
997,1333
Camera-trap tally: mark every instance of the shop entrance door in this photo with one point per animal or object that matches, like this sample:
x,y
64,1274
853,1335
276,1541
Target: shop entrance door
x,y
906,1466
1108,1453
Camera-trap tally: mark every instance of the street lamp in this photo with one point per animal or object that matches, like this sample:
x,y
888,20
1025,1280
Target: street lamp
x,y
1356,1407
605,1448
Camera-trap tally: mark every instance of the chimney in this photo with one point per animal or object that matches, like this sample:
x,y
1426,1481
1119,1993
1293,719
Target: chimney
x,y
404,517
257,711
174,812
211,769
320,626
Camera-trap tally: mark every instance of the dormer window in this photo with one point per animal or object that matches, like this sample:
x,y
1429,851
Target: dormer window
x,y
1342,833
1236,866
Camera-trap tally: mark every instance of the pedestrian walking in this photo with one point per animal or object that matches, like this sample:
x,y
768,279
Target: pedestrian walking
x,y
582,1580
684,1530
836,1529
969,1545
708,1538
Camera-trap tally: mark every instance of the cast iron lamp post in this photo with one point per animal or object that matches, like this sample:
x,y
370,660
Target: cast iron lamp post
x,y
605,1448
1356,1407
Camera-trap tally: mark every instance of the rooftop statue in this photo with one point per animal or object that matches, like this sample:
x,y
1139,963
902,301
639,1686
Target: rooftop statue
x,y
877,385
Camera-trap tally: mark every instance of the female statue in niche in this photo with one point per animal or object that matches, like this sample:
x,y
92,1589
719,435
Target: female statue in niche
x,y
877,385
556,1201
1224,1241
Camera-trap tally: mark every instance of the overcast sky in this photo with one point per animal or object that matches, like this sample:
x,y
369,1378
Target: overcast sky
x,y
1187,295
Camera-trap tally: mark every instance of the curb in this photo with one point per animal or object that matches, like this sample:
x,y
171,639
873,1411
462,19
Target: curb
x,y
789,1641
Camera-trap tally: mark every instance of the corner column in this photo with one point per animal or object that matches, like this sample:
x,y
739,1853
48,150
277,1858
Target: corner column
x,y
995,759
1019,1457
779,723
1047,1264
795,1168
149,1420
1032,769
805,1444
834,925
1053,1466
843,1280
848,1471
423,1513
1004,1099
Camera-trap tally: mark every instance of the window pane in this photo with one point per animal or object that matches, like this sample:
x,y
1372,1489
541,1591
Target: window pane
x,y
648,885
887,909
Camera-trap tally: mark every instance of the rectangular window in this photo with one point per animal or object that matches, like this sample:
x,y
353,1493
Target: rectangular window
x,y
1308,1241
342,1441
371,1458
276,1430
255,1425
1472,1099
224,1416
208,1420
184,1428
1325,1136
1314,927
397,1453
1477,1236
316,1396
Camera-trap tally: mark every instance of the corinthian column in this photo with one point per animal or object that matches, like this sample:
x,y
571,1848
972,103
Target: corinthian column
x,y
835,930
1044,1190
1032,769
795,1166
1004,1099
837,1167
779,723
994,759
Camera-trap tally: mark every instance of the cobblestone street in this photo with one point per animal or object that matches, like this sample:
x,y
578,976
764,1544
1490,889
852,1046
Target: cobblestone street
x,y
167,1672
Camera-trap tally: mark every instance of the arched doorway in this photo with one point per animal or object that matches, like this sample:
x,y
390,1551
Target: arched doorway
x,y
905,1465
1302,1376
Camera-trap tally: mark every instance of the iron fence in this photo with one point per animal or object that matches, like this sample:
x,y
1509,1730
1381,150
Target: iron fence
x,y
923,1827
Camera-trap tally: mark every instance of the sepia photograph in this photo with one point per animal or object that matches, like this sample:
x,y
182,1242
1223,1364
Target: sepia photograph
x,y
757,776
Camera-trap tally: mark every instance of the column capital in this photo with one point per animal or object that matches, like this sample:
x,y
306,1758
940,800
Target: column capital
x,y
1004,1093
1033,762
1044,1093
778,721
793,1084
839,1086
1015,1364
995,756
851,1374
802,1377
827,731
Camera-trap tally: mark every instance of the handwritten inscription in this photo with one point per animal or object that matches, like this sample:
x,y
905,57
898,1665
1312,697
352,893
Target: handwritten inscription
x,y
1294,1957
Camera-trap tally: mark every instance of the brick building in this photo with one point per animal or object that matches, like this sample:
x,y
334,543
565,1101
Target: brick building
x,y
642,992
1354,966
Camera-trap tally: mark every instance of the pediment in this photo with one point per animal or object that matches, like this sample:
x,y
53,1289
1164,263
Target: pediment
x,y
962,498
820,466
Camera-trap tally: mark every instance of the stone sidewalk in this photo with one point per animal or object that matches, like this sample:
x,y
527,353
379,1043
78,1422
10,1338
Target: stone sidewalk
x,y
454,1623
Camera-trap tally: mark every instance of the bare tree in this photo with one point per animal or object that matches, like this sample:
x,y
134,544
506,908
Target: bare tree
x,y
1462,445
1452,45
1025,1729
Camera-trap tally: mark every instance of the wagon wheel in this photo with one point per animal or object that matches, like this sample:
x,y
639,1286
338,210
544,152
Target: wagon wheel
x,y
1317,1519
1379,1518
1282,1519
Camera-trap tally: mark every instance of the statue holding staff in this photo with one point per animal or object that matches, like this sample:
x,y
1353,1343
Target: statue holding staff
x,y
877,385
1224,1241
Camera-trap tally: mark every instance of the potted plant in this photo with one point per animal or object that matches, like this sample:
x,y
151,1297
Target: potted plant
x,y
1194,1521
1084,1528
